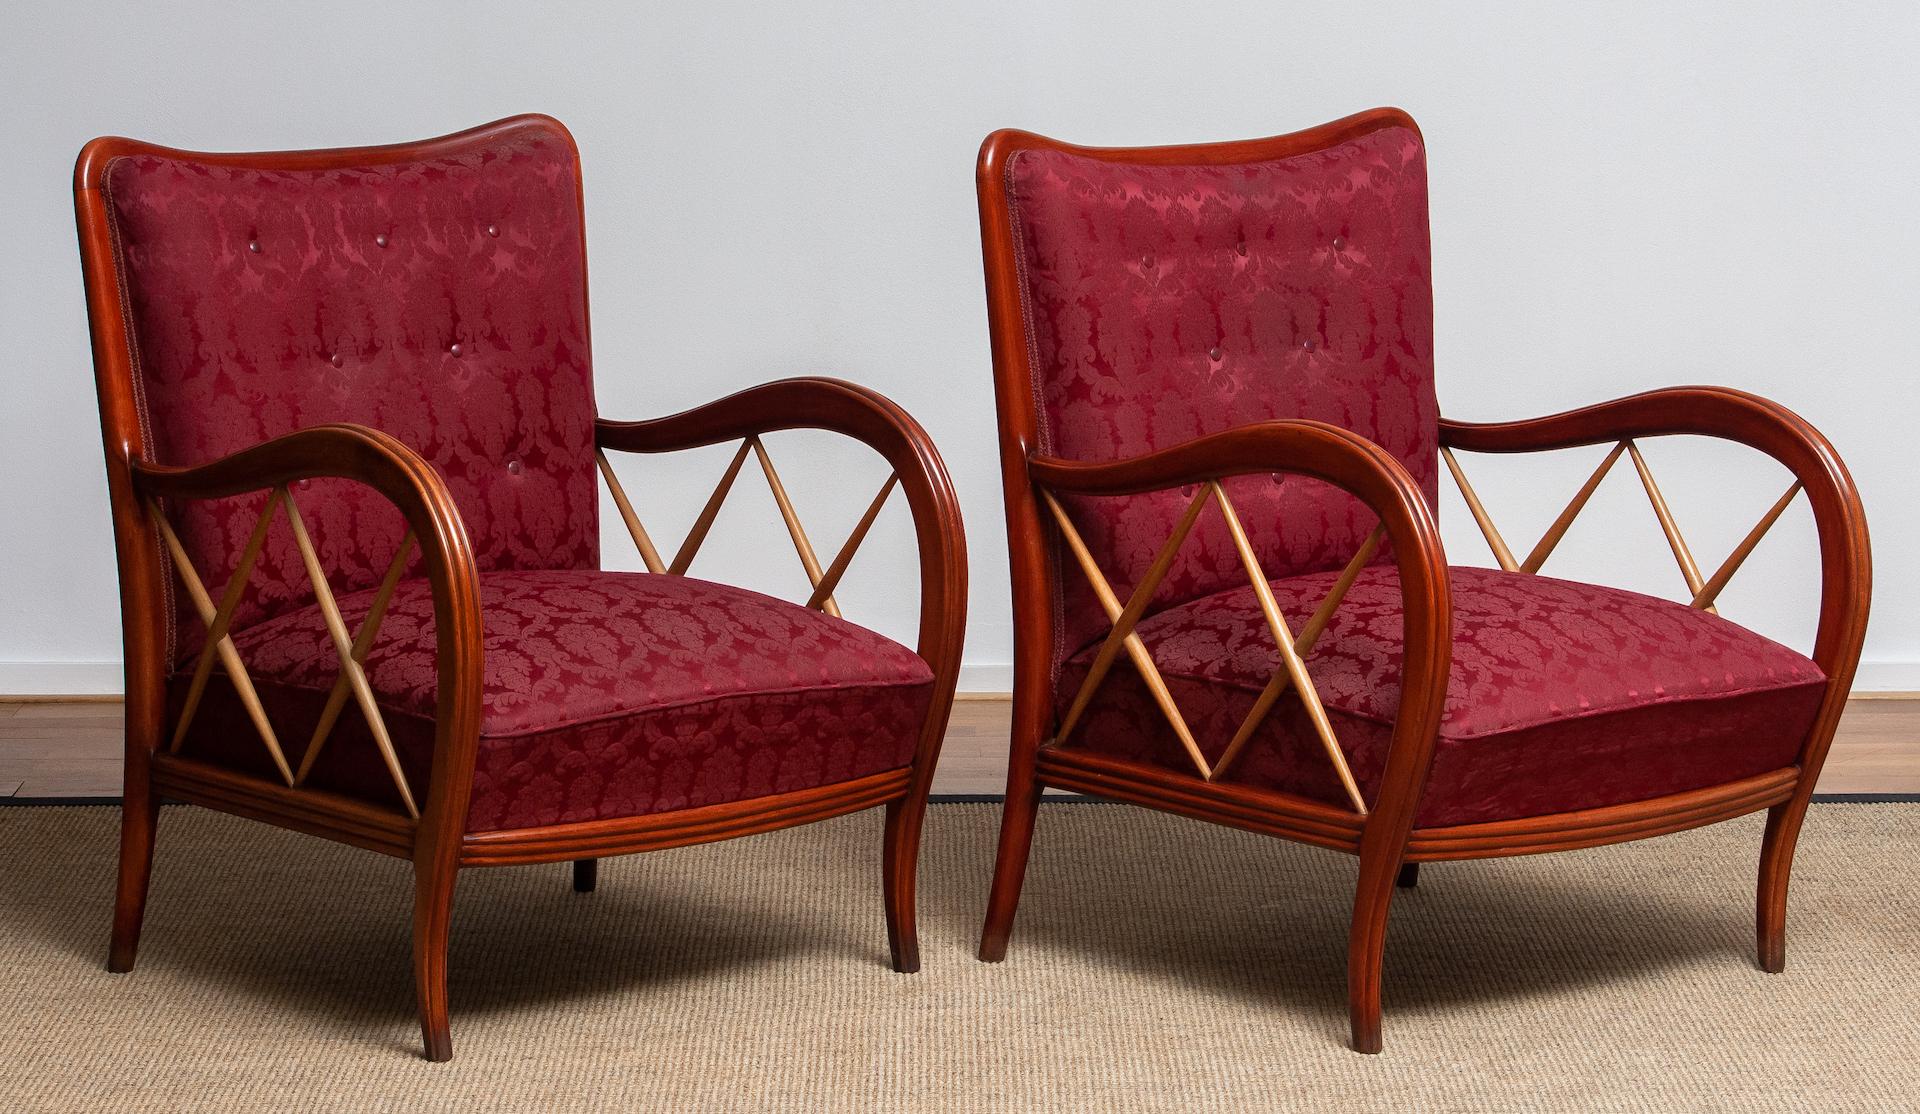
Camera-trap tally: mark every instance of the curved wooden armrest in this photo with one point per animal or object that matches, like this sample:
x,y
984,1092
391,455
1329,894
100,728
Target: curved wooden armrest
x,y
1727,414
866,416
1373,475
416,489
339,451
1699,410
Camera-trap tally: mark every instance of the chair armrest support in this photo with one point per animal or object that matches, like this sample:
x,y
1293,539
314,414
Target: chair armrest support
x,y
872,419
416,489
1846,573
1368,472
1747,419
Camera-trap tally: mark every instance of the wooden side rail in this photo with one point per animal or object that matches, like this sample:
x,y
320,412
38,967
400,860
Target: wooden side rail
x,y
852,411
1704,590
1719,412
824,581
1846,572
1292,670
1322,452
434,526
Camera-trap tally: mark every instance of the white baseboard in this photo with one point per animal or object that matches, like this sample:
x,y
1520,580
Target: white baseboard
x,y
104,678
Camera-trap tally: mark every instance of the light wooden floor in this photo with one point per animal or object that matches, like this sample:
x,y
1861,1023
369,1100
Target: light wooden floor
x,y
72,749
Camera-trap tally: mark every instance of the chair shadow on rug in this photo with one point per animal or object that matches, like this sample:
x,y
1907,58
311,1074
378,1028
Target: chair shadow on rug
x,y
526,940
1271,932
355,459
527,944
1221,457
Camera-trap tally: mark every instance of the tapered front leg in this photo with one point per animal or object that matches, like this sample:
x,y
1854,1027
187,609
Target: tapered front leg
x,y
900,868
1367,946
139,819
432,919
1776,867
586,875
1017,818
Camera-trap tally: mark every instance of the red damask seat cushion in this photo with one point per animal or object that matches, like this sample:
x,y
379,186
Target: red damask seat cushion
x,y
607,695
1562,696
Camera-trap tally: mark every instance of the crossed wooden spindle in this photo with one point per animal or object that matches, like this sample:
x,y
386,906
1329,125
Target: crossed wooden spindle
x,y
218,642
1703,591
362,642
352,649
1292,671
823,580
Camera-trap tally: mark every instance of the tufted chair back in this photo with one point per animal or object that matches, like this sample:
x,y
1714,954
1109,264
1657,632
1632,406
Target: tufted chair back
x,y
1161,301
438,295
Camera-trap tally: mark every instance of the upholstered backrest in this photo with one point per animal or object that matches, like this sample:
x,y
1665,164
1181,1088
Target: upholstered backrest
x,y
1162,301
441,299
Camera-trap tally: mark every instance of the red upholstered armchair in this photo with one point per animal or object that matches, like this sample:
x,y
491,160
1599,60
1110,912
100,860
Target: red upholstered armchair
x,y
352,450
1221,452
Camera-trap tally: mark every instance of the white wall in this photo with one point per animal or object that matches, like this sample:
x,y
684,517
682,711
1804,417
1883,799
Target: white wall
x,y
1624,196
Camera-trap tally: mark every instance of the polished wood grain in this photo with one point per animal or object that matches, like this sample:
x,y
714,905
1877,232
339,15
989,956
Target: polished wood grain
x,y
603,838
1682,554
1123,619
1846,567
1289,657
141,491
1384,837
312,811
1303,645
1495,541
1545,546
415,489
1704,592
1127,617
1711,590
802,544
1594,827
703,522
642,541
216,636
823,589
362,643
219,642
343,646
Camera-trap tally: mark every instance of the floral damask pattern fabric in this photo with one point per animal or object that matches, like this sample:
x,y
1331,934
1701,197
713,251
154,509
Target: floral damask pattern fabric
x,y
606,695
441,301
1561,696
1168,302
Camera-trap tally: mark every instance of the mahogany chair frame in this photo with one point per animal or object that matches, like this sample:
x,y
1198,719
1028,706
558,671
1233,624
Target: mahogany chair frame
x,y
436,840
1382,835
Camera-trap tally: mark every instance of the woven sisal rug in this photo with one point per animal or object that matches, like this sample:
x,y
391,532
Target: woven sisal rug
x,y
1159,964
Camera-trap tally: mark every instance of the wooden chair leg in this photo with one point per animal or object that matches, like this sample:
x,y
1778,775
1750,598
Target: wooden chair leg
x,y
1776,864
1409,876
139,816
586,875
901,863
1366,948
1010,865
432,918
